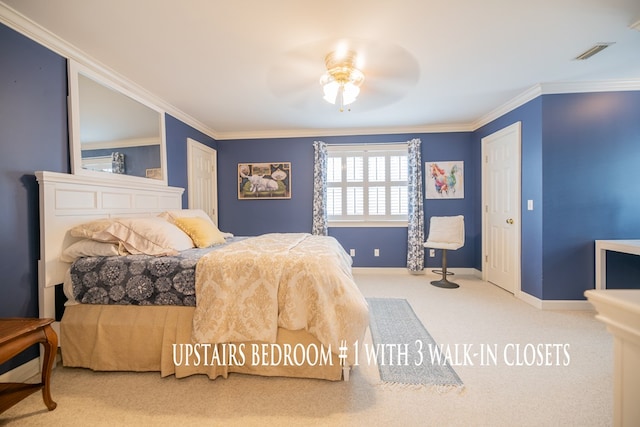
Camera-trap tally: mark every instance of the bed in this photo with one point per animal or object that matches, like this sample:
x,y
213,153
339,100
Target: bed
x,y
271,305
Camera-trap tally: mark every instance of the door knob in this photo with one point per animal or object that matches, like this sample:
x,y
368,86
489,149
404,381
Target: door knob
x,y
510,221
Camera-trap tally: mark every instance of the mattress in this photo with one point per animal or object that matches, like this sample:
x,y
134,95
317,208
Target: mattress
x,y
137,279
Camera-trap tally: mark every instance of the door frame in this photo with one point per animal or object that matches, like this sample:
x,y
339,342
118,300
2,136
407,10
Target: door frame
x,y
191,145
515,127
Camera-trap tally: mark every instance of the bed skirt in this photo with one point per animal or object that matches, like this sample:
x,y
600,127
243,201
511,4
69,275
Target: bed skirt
x,y
158,338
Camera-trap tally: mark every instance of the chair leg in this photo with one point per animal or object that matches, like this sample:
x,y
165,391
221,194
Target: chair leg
x,y
443,282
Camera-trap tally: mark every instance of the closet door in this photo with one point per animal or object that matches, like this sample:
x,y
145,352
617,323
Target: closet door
x,y
501,213
203,182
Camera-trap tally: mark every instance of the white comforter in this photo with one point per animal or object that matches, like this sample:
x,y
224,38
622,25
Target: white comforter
x,y
295,281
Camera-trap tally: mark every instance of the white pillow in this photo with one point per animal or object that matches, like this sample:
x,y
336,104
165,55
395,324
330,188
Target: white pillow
x,y
151,236
88,247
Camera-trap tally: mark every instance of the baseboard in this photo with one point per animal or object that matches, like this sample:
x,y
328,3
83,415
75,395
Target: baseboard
x,y
567,305
381,270
573,305
529,299
22,373
467,272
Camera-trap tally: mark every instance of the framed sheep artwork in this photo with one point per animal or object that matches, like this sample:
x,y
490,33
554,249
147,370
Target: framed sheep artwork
x,y
264,181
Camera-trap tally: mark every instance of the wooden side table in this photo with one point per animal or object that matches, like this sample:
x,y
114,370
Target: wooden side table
x,y
16,335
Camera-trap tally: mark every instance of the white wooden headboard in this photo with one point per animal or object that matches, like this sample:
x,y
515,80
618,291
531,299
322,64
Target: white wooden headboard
x,y
68,200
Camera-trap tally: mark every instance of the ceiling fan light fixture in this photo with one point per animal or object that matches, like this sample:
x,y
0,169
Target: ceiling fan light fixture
x,y
341,83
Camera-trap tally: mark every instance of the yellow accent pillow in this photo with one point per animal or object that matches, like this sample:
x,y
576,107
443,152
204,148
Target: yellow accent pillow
x,y
202,231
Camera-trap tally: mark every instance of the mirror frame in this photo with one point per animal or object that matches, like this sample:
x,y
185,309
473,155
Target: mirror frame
x,y
74,70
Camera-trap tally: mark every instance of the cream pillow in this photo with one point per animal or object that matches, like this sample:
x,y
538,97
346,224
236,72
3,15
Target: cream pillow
x,y
150,236
202,231
88,229
88,247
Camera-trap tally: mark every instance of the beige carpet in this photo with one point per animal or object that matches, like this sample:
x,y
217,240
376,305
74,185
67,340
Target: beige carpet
x,y
477,315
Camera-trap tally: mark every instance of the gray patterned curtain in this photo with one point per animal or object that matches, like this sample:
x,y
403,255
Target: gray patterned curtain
x,y
320,227
415,229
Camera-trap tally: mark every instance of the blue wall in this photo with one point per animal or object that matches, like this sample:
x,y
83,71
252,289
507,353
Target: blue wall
x,y
33,136
253,217
530,116
177,133
591,169
580,157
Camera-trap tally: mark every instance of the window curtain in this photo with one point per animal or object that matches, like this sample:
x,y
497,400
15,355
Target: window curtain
x,y
320,226
415,229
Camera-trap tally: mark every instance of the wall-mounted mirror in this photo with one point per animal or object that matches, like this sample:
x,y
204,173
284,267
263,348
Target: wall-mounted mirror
x,y
114,132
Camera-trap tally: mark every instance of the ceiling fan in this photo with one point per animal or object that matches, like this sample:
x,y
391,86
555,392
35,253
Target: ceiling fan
x,y
389,73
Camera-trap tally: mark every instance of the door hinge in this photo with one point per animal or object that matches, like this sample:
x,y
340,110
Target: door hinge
x,y
486,258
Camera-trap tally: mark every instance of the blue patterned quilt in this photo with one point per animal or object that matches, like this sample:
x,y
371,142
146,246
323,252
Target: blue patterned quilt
x,y
137,279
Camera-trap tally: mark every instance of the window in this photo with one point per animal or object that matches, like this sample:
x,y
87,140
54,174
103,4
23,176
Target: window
x,y
367,184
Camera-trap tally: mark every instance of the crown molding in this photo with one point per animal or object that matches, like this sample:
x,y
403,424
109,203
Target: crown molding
x,y
519,100
317,133
556,88
590,86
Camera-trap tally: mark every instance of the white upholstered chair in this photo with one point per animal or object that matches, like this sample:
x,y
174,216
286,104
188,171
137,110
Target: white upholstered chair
x,y
446,233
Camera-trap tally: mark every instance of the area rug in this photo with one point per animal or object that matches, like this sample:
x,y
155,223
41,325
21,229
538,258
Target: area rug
x,y
404,350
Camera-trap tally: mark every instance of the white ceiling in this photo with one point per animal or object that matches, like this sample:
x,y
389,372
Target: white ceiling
x,y
244,68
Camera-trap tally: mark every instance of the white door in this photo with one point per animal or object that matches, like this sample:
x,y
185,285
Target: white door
x,y
501,207
202,178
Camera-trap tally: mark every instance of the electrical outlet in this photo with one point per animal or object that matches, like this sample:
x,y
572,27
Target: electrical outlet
x,y
352,252
432,253
376,252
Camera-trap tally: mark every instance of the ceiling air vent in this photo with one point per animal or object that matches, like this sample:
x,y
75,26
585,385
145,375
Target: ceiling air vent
x,y
598,47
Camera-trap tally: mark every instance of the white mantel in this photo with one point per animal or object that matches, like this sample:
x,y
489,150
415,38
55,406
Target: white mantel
x,y
619,309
